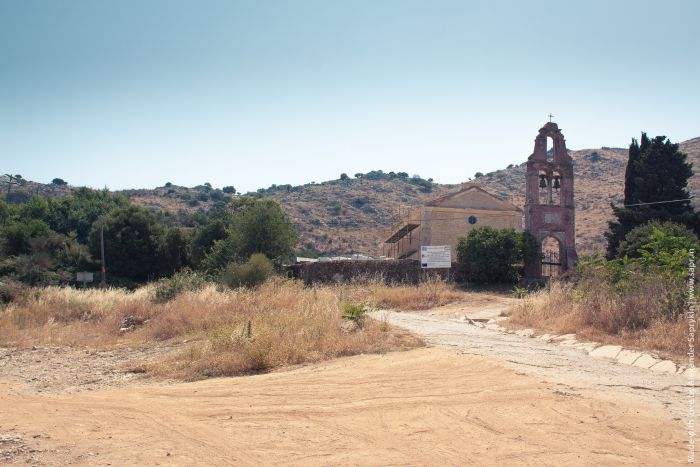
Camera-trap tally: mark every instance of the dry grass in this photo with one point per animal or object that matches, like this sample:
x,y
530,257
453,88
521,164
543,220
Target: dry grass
x,y
633,320
376,294
233,331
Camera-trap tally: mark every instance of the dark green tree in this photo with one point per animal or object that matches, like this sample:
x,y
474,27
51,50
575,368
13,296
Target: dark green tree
x,y
488,255
132,239
204,238
254,225
642,235
657,173
79,210
174,251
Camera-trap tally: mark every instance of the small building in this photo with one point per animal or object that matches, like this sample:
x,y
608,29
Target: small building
x,y
442,221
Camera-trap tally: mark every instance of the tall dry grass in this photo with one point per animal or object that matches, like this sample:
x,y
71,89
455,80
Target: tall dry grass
x,y
429,293
637,318
230,331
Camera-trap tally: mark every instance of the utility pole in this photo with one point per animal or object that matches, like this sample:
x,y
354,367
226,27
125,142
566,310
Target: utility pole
x,y
103,268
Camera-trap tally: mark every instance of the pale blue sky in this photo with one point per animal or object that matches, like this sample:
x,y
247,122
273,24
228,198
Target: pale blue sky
x,y
130,94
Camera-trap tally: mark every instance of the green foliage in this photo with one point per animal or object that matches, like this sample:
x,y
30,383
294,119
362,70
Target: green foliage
x,y
658,266
79,210
204,238
4,212
520,292
656,172
643,291
667,255
59,182
478,175
45,241
488,255
174,251
18,234
250,274
253,225
344,176
355,313
131,238
229,189
184,280
667,236
335,207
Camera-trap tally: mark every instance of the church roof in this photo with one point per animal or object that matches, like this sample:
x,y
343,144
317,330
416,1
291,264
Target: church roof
x,y
474,197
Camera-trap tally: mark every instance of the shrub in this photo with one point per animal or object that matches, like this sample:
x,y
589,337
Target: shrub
x,y
12,291
520,292
661,236
488,255
185,280
354,313
252,226
251,274
335,207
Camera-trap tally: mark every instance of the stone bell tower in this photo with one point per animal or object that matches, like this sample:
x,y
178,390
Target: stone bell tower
x,y
549,205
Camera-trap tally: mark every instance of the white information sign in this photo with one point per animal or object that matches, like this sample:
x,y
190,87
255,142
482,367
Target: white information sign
x,y
436,256
84,277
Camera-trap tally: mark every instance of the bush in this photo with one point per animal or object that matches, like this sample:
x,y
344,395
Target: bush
x,y
487,255
664,236
185,280
12,291
354,313
251,274
251,226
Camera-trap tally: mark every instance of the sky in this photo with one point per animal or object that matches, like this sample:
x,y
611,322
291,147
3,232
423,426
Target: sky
x,y
134,94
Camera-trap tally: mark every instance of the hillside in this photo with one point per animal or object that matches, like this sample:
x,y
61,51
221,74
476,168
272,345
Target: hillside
x,y
351,215
599,181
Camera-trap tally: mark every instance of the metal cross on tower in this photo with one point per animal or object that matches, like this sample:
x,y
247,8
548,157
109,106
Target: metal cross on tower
x,y
550,116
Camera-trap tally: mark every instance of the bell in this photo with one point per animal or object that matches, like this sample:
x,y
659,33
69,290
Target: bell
x,y
556,185
543,182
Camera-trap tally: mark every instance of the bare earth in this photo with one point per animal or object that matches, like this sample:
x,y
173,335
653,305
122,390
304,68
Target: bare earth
x,y
475,397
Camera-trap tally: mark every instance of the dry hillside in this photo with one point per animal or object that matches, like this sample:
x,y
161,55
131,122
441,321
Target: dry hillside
x,y
350,216
599,181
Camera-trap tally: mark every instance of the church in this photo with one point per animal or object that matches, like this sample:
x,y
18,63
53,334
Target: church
x,y
442,221
548,215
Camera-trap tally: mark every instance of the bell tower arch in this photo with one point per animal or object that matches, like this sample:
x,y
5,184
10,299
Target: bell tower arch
x,y
549,199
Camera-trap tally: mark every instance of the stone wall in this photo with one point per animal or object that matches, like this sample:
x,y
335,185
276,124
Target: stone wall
x,y
390,271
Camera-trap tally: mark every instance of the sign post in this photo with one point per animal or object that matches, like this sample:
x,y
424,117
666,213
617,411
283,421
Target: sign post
x,y
435,256
84,277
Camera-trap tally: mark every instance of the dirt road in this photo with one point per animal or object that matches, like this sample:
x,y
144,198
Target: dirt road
x,y
446,405
552,362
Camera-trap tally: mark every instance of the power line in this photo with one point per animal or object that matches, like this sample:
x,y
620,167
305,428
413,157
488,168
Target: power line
x,y
659,202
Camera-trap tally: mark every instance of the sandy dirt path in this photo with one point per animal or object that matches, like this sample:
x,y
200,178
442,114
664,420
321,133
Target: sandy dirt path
x,y
474,396
422,407
553,362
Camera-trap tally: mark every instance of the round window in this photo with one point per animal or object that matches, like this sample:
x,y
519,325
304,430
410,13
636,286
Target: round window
x,y
472,219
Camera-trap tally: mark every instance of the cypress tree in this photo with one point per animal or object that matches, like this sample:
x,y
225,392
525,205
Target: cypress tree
x,y
656,171
630,173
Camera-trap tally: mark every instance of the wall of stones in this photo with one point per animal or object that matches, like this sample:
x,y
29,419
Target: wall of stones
x,y
390,271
